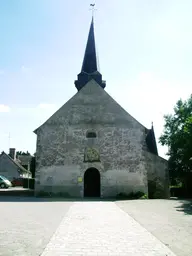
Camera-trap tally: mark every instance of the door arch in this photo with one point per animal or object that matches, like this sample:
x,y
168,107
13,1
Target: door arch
x,y
92,183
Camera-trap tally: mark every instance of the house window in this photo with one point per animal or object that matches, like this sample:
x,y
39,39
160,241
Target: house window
x,y
91,134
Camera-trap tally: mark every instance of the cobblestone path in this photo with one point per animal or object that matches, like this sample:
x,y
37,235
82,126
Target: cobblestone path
x,y
102,228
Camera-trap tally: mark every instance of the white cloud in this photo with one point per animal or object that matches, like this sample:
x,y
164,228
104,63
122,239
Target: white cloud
x,y
4,108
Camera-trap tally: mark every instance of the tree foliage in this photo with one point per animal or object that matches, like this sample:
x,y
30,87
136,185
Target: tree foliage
x,y
177,136
21,153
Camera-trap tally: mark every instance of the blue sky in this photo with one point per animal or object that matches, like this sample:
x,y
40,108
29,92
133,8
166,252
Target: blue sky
x,y
144,52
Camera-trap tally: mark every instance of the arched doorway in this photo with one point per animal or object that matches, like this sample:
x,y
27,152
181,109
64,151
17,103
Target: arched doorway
x,y
92,183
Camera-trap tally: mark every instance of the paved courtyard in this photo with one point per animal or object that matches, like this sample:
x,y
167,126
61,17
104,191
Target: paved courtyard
x,y
27,224
168,220
31,226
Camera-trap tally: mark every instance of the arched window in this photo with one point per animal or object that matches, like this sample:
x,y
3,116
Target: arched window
x,y
91,134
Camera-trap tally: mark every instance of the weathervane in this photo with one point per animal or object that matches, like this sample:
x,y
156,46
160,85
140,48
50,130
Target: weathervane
x,y
93,9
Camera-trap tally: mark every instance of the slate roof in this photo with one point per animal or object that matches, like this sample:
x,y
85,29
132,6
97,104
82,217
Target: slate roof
x,y
21,168
151,141
90,61
90,66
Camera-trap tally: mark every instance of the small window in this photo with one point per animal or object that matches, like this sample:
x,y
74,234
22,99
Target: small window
x,y
91,134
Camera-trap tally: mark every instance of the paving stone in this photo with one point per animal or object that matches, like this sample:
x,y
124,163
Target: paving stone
x,y
170,221
102,228
27,224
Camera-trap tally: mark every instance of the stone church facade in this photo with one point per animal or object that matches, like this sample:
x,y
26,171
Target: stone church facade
x,y
91,147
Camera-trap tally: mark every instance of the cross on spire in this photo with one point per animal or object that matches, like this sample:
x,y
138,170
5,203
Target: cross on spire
x,y
93,9
90,69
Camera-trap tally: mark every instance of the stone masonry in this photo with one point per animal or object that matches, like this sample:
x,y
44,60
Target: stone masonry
x,y
92,147
120,141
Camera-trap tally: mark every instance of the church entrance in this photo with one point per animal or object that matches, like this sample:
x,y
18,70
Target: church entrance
x,y
92,183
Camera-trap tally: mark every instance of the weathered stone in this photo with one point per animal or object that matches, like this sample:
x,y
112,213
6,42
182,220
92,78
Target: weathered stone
x,y
124,164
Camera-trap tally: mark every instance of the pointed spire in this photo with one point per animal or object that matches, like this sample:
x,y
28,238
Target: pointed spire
x,y
151,141
90,65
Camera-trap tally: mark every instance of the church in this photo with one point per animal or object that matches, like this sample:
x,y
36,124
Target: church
x,y
92,147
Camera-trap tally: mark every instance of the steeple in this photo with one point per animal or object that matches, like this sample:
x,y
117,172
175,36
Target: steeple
x,y
151,141
89,68
90,59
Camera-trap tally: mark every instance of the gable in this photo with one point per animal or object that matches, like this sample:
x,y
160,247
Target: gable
x,y
6,165
8,161
92,105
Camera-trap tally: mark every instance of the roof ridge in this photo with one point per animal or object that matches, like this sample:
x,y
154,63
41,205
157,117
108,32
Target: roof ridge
x,y
16,163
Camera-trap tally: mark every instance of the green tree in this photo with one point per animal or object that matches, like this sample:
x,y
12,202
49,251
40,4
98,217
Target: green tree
x,y
177,135
21,153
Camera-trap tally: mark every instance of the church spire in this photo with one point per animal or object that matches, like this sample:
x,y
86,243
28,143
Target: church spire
x,y
90,67
151,141
90,64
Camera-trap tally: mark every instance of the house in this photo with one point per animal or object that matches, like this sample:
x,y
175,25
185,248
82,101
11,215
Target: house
x,y
10,168
92,147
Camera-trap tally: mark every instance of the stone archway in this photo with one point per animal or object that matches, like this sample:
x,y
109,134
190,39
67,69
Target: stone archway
x,y
92,183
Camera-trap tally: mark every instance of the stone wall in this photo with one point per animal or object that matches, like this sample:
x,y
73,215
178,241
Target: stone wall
x,y
158,176
62,143
60,163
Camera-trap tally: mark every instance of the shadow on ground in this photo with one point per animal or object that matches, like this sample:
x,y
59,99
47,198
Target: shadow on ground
x,y
27,195
185,206
34,199
19,194
16,191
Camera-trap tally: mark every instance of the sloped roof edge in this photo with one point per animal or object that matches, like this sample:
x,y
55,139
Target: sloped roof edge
x,y
17,164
